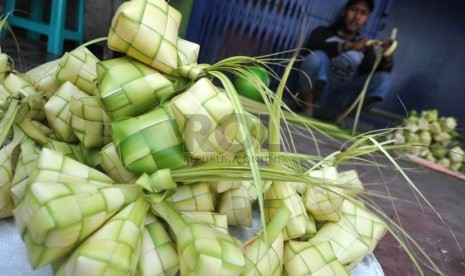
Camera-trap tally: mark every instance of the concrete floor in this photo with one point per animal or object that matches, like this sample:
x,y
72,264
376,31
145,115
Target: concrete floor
x,y
440,233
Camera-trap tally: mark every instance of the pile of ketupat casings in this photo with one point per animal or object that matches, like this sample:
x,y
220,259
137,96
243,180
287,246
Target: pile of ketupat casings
x,y
137,165
432,137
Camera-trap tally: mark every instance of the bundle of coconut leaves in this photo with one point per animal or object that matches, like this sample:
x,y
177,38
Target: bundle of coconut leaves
x,y
137,165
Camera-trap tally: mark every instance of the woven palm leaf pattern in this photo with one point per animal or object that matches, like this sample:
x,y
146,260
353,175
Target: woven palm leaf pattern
x,y
219,221
43,78
57,110
188,52
264,259
280,194
207,120
306,258
202,248
5,66
226,185
149,142
6,177
114,249
210,245
158,254
89,121
79,68
251,190
113,167
147,30
45,222
90,155
56,167
192,198
344,239
70,150
16,86
127,87
236,205
370,228
350,182
325,201
25,167
265,256
8,160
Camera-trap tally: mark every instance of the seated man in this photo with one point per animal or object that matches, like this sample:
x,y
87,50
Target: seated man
x,y
340,63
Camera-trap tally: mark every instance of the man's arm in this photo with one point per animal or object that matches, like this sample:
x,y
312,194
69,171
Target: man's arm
x,y
318,41
369,59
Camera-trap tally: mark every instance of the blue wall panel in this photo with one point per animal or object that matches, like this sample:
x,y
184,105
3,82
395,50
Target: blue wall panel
x,y
255,27
429,69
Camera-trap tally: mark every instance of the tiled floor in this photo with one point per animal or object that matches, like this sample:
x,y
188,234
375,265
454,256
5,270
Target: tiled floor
x,y
442,239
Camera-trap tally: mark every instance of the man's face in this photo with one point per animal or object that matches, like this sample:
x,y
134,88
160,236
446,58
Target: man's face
x,y
356,16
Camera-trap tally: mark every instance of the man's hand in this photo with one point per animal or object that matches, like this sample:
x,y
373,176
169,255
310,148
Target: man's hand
x,y
359,45
386,44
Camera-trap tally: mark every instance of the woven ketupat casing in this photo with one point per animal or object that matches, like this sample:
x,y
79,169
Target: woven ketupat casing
x,y
306,258
78,67
147,31
129,88
208,122
149,142
58,113
89,121
6,176
5,66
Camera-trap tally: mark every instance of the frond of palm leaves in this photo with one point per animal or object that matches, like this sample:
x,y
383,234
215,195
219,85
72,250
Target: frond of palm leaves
x,y
79,68
134,141
147,30
128,87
